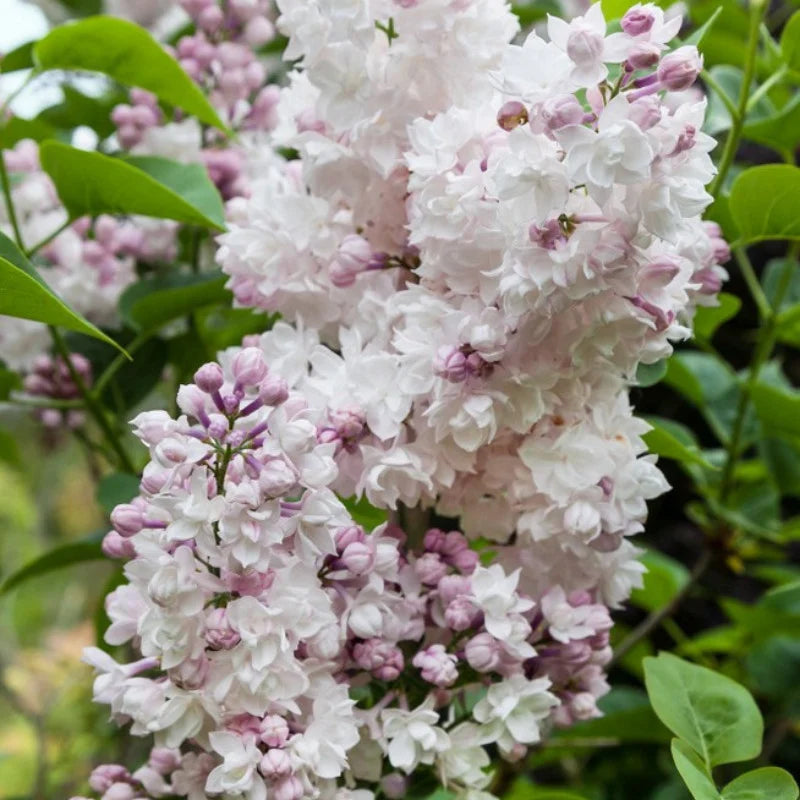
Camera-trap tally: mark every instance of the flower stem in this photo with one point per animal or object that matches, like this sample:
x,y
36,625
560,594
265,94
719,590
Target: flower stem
x,y
735,135
12,214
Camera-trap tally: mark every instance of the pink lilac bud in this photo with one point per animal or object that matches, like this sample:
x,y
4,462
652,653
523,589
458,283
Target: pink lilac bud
x,y
352,258
211,19
434,540
645,112
430,568
191,674
583,705
127,519
394,785
249,367
679,69
164,760
383,659
115,546
558,112
584,46
288,788
346,536
219,633
637,20
119,791
461,614
710,282
437,665
276,478
358,557
483,652
511,115
644,55
259,31
274,731
105,775
450,363
209,377
452,586
454,543
465,561
275,764
273,390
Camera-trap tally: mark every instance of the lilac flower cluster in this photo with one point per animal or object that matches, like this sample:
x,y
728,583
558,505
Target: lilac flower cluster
x,y
288,652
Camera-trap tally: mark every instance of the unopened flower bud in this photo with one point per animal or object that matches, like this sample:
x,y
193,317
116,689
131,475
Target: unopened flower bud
x,y
249,367
127,519
288,788
116,546
259,31
105,775
460,614
273,390
710,282
358,558
164,760
275,763
274,731
437,665
430,568
679,69
450,363
394,785
348,535
637,20
219,633
482,652
584,46
644,55
119,791
209,377
511,115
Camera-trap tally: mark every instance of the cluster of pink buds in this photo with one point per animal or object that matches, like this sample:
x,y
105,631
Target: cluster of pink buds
x,y
52,379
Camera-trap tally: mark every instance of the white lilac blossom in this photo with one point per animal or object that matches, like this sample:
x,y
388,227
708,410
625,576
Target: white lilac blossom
x,y
470,270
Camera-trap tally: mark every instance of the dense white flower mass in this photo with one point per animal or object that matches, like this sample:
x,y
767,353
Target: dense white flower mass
x,y
470,270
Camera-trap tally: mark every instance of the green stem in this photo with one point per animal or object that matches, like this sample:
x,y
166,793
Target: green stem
x,y
31,251
119,362
735,135
12,214
773,79
44,402
92,406
764,345
710,81
753,284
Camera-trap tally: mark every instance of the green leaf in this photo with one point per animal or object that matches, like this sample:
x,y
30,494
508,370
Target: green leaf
x,y
729,79
777,409
765,203
92,183
151,303
77,109
128,54
790,42
119,487
614,9
365,514
713,714
524,789
73,553
695,774
16,129
709,318
665,577
651,374
782,457
767,783
698,35
675,441
780,131
773,666
23,294
19,58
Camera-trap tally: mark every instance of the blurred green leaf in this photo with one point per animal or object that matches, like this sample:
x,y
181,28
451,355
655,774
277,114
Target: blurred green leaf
x,y
119,487
153,302
20,57
780,130
765,203
63,556
23,294
699,34
709,318
651,374
77,109
365,514
665,577
777,409
92,183
767,783
127,53
713,714
672,440
16,129
790,42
